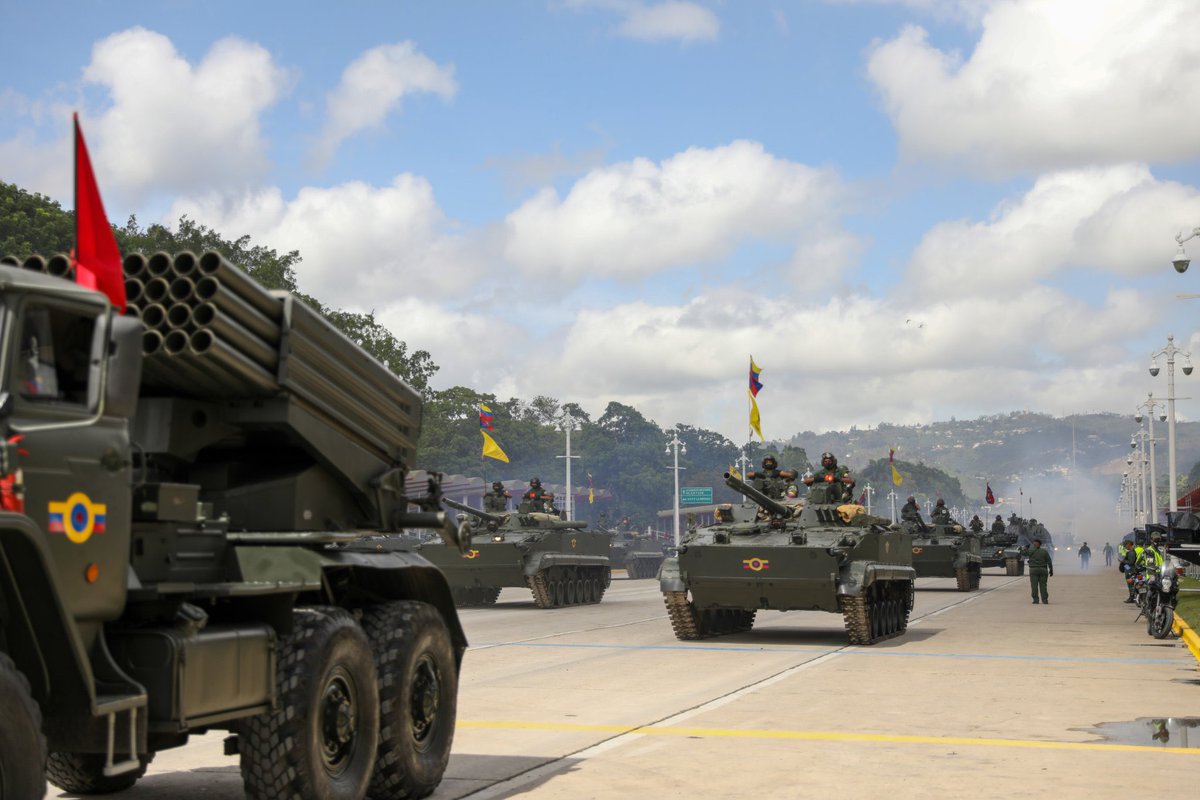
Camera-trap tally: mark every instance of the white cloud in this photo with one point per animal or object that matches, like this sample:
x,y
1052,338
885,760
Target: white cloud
x,y
1049,85
638,217
673,20
177,127
374,85
1119,219
362,246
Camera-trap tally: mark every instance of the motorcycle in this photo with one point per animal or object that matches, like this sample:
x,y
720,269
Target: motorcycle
x,y
1162,596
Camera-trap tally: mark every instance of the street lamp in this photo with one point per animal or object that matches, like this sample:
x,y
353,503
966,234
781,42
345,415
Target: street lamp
x,y
891,496
1150,407
567,424
1169,352
679,447
1181,261
869,492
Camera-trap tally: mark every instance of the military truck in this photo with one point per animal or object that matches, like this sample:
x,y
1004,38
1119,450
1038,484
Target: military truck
x,y
636,553
559,561
184,509
946,550
766,554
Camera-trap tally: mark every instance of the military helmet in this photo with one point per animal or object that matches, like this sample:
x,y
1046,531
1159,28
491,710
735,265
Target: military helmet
x,y
911,499
827,456
497,486
768,458
535,482
940,502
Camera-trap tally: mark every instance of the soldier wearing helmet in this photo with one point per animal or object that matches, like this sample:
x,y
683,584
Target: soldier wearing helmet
x,y
536,498
497,499
940,514
830,472
771,480
911,513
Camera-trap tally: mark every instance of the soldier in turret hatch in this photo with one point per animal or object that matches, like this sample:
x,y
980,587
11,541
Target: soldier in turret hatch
x,y
770,480
831,473
941,514
911,512
497,499
536,498
998,526
976,524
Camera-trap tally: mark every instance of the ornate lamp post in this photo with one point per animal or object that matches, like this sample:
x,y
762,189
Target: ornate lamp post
x,y
1169,352
678,447
567,424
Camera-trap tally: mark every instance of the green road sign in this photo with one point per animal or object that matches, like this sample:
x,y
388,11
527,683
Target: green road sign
x,y
698,495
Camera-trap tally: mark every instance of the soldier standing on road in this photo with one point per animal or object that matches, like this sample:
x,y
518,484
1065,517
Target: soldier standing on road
x,y
497,499
1085,555
1108,554
1041,568
976,525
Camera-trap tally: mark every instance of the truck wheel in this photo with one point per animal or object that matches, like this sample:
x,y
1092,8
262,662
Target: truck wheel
x,y
83,773
418,697
320,742
22,745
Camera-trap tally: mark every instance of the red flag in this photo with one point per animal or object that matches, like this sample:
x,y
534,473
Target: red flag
x,y
991,498
96,256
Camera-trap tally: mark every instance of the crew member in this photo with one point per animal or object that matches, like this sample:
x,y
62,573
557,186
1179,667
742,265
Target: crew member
x,y
976,524
831,473
940,514
998,526
536,498
497,499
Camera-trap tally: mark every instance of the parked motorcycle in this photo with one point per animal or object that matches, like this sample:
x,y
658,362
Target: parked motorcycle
x,y
1162,595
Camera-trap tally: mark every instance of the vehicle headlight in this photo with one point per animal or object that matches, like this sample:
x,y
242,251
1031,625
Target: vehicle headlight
x,y
1166,584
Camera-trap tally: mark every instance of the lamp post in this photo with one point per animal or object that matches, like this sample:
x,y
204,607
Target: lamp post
x,y
1150,407
567,424
678,447
869,492
892,497
1169,352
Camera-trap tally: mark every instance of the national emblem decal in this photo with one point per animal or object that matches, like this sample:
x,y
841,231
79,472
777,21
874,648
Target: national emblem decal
x,y
78,517
471,554
918,550
756,564
574,542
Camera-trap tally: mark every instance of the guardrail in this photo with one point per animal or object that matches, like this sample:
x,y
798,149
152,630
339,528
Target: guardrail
x,y
1189,637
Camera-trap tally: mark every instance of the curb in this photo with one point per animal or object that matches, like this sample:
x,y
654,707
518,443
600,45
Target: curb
x,y
1189,637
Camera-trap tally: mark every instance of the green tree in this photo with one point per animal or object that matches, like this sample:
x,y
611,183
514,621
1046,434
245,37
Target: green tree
x,y
32,224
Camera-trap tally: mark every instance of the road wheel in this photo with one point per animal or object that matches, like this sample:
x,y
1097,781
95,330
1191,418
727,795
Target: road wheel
x,y
320,743
418,697
560,593
22,745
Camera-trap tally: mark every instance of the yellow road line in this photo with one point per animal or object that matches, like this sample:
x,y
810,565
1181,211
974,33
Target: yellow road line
x,y
817,736
1188,635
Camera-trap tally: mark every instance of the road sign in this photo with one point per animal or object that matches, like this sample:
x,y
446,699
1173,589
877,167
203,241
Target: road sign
x,y
697,495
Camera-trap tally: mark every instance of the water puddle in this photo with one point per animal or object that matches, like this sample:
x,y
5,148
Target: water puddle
x,y
1151,732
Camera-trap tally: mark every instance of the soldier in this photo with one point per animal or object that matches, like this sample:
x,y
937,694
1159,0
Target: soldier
x,y
998,526
941,514
1108,554
1041,569
770,480
911,512
497,499
536,498
976,525
830,472
1085,555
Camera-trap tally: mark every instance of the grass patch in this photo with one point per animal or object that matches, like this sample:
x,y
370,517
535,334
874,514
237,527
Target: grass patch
x,y
1189,603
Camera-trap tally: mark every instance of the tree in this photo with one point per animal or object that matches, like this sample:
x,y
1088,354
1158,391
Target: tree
x,y
32,224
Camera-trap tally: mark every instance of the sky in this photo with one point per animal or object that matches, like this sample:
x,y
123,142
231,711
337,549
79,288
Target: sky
x,y
904,210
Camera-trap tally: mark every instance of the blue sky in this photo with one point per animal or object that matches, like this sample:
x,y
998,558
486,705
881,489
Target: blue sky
x,y
905,209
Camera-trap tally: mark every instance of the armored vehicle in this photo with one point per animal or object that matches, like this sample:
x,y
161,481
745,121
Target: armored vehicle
x,y
765,554
946,550
1001,550
182,518
559,561
638,554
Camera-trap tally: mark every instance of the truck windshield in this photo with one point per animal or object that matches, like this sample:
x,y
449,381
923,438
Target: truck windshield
x,y
55,347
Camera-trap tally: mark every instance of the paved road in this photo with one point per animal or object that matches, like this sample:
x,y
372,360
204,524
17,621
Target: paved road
x,y
986,696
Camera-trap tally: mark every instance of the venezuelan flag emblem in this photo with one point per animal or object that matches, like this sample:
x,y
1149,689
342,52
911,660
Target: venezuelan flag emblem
x,y
78,517
756,564
471,554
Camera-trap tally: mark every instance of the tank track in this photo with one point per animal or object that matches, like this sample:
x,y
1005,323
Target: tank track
x,y
1014,566
467,596
557,587
690,624
967,579
870,620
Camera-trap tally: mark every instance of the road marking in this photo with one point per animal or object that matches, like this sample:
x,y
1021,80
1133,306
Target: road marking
x,y
817,736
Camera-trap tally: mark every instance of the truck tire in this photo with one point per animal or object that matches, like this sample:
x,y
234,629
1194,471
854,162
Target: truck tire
x,y
418,698
83,773
320,742
22,745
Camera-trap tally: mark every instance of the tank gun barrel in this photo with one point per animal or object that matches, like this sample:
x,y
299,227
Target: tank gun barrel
x,y
475,512
776,508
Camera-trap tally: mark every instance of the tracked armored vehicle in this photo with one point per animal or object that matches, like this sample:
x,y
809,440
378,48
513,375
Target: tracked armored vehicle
x,y
639,555
559,561
946,550
1000,550
767,555
183,511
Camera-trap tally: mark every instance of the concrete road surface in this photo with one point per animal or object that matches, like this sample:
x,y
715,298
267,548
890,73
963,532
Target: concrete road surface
x,y
986,696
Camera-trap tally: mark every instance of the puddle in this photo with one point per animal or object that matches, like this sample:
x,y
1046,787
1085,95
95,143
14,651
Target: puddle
x,y
1151,732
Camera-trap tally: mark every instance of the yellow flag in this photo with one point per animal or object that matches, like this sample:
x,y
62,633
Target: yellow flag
x,y
896,479
491,449
755,422
734,472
